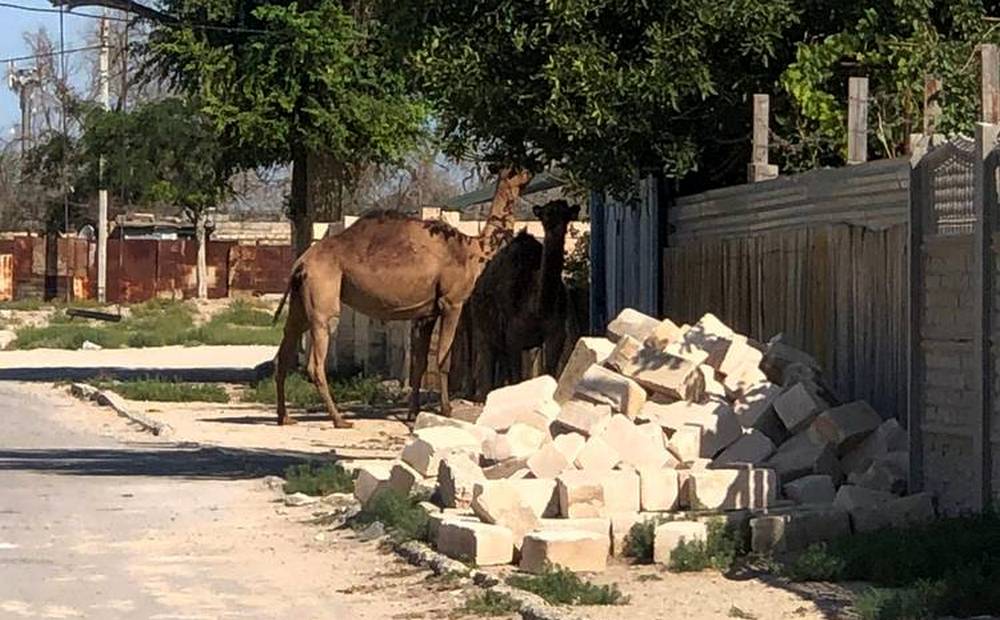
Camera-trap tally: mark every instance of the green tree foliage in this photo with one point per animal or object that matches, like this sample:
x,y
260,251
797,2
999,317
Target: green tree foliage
x,y
162,153
603,88
291,82
895,43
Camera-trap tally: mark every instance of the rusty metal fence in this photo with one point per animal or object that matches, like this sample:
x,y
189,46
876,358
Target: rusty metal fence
x,y
138,269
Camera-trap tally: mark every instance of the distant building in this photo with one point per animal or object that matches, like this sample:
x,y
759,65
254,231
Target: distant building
x,y
159,228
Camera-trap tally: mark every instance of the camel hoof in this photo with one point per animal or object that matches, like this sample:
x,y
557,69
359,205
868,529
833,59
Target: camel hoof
x,y
341,423
287,421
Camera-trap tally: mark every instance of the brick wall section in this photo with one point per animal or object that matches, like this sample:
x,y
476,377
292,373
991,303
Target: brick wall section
x,y
950,414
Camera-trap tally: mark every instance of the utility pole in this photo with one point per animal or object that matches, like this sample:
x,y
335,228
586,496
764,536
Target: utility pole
x,y
102,193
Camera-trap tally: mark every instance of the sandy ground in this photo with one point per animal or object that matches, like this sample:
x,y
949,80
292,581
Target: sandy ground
x,y
654,592
98,520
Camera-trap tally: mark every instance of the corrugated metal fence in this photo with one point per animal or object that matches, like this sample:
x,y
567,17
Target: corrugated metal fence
x,y
625,256
138,269
821,258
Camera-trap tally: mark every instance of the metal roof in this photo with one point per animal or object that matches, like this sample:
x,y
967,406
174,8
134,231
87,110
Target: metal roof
x,y
539,183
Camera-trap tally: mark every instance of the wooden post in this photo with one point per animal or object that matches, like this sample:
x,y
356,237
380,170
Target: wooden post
x,y
980,375
759,169
857,120
932,104
761,121
990,60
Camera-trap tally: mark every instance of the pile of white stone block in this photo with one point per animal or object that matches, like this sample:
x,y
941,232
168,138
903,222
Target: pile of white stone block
x,y
677,423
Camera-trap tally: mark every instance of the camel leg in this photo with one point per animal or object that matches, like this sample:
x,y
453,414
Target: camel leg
x,y
320,332
511,368
287,357
482,362
552,349
420,346
446,335
287,352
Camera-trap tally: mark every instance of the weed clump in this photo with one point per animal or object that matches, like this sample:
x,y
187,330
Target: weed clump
x,y
490,603
718,551
639,540
560,586
155,389
318,479
399,513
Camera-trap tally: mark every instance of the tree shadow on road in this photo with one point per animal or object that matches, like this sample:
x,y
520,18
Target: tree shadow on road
x,y
194,463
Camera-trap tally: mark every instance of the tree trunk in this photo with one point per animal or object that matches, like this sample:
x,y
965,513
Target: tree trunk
x,y
202,265
298,204
315,187
326,185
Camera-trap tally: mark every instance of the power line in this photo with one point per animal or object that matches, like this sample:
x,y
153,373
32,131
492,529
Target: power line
x,y
180,23
49,54
39,9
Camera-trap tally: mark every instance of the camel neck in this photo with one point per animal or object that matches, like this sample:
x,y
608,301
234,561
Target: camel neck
x,y
553,261
499,228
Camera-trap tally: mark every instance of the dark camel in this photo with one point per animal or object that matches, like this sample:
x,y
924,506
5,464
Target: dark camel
x,y
390,267
520,302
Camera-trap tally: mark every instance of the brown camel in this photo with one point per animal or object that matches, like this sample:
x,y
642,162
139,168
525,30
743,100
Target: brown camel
x,y
520,302
390,267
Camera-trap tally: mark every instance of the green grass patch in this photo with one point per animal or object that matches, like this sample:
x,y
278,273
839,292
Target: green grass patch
x,y
955,563
156,323
243,312
214,333
318,479
560,586
400,514
489,603
916,603
900,557
718,551
67,336
154,389
23,305
301,393
816,563
33,304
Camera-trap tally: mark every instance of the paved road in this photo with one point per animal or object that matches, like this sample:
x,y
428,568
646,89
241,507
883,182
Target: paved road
x,y
91,527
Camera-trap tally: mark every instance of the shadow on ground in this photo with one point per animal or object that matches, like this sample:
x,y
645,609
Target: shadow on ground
x,y
391,413
196,463
834,600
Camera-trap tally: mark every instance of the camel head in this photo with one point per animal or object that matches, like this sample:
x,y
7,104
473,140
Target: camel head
x,y
556,214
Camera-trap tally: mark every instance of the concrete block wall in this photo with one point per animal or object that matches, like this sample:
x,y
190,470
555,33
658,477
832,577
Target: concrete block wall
x,y
995,383
950,417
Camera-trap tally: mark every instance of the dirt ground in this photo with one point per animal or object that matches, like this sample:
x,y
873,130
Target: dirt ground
x,y
387,587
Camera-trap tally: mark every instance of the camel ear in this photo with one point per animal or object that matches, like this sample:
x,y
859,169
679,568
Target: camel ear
x,y
537,211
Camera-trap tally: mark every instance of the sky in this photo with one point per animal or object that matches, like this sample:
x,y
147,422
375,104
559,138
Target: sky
x,y
13,22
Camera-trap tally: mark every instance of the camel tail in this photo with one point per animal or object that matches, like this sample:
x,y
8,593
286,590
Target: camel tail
x,y
293,282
